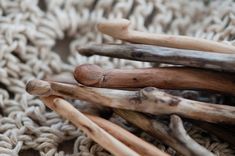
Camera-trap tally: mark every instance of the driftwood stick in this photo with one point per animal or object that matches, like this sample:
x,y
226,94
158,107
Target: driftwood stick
x,y
132,141
119,29
164,78
149,53
148,100
178,132
174,136
99,135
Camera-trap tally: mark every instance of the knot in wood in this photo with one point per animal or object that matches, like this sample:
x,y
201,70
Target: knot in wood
x,y
148,93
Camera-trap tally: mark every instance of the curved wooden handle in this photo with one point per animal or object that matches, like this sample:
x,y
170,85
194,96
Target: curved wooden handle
x,y
120,29
165,78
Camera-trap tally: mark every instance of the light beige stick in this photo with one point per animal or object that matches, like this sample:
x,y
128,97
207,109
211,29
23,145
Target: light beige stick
x,y
148,100
132,141
179,133
165,78
100,136
119,28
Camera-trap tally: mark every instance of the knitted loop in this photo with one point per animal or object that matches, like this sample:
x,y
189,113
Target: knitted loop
x,y
29,32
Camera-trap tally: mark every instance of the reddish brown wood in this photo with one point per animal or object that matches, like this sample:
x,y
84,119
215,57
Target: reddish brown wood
x,y
165,78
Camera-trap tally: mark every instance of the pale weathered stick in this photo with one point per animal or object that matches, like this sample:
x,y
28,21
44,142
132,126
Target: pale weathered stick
x,y
148,100
174,136
165,78
119,28
178,132
132,141
149,53
100,136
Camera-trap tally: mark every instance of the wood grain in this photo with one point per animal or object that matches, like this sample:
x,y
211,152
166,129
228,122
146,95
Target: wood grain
x,y
148,100
99,135
164,78
135,143
149,53
175,136
120,29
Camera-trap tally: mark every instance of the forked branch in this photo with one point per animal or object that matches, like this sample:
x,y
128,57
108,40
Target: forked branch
x,y
174,135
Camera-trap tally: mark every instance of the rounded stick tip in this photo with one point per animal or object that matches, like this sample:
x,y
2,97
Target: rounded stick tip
x,y
116,28
86,50
38,87
57,100
88,74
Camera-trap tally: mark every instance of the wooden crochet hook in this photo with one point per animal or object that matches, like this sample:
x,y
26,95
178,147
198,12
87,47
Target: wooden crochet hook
x,y
150,53
164,78
148,100
99,135
132,141
119,29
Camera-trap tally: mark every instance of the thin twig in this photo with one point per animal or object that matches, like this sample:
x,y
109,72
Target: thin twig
x,y
178,132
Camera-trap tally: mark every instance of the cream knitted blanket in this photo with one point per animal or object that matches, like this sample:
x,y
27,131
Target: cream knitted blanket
x,y
39,38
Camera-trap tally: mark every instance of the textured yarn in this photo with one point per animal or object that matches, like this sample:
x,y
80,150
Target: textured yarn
x,y
32,38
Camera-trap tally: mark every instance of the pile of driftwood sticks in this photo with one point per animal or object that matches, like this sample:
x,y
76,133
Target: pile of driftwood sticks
x,y
204,65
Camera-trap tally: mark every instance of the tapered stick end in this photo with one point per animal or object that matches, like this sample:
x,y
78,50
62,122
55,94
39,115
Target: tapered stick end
x,y
116,28
88,74
38,87
86,50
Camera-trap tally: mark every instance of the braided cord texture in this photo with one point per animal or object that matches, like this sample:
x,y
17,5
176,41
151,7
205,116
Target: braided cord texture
x,y
32,37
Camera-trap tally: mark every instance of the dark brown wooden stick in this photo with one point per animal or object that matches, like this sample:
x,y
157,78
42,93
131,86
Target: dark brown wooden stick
x,y
148,100
149,53
119,28
164,78
99,135
174,136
